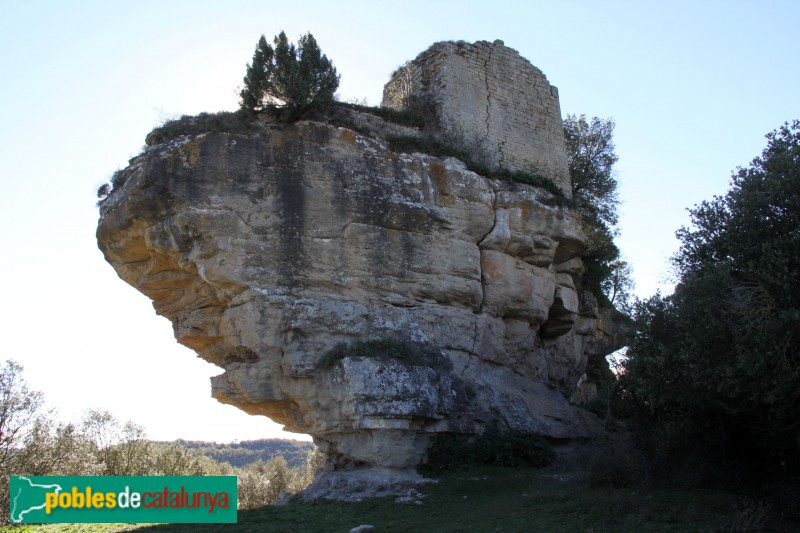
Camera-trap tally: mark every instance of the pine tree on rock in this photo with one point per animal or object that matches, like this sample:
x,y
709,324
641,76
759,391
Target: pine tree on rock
x,y
256,77
294,79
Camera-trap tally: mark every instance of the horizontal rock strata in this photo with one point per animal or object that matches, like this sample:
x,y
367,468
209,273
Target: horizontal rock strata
x,y
268,249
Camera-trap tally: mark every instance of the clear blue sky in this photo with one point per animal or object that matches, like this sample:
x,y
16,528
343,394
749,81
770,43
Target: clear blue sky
x,y
693,88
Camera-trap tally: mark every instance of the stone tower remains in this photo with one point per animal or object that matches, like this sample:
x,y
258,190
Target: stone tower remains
x,y
490,102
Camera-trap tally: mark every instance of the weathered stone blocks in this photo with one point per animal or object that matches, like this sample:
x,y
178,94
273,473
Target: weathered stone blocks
x,y
490,102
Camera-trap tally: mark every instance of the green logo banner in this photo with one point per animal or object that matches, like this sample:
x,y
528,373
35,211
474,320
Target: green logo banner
x,y
120,499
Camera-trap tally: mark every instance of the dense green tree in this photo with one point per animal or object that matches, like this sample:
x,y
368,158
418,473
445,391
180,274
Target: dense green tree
x,y
256,78
295,79
591,159
719,359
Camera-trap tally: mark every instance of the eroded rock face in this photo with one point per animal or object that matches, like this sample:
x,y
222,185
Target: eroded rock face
x,y
267,249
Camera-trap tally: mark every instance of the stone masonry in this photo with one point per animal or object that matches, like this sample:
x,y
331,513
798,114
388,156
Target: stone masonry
x,y
491,103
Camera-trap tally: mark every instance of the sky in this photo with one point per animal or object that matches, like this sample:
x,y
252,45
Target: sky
x,y
693,87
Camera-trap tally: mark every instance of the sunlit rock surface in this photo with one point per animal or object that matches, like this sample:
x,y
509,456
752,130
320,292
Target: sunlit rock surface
x,y
269,248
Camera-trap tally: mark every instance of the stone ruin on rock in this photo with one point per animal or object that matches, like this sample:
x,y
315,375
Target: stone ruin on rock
x,y
268,248
490,102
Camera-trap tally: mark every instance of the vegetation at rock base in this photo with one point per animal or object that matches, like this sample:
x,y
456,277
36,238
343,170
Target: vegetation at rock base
x,y
493,447
411,117
296,80
32,443
712,374
484,499
225,121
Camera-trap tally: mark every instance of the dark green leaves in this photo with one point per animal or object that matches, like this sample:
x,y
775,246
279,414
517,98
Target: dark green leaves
x,y
293,80
721,355
591,158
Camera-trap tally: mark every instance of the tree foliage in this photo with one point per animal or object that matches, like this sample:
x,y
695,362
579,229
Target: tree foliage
x,y
296,79
719,359
591,159
31,443
245,452
620,285
20,410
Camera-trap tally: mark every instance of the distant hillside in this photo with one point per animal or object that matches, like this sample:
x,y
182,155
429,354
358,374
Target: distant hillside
x,y
249,451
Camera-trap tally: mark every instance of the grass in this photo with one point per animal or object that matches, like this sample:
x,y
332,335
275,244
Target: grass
x,y
225,121
71,528
241,121
403,117
488,499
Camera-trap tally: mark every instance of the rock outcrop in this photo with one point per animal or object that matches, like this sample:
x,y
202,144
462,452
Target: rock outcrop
x,y
269,248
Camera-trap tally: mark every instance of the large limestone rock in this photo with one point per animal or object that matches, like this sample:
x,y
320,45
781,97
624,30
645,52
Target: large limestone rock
x,y
269,248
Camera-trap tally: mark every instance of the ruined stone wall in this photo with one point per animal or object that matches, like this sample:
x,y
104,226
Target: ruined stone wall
x,y
490,102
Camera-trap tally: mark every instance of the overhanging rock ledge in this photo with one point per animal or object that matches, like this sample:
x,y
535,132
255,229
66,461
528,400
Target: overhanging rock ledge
x,y
268,248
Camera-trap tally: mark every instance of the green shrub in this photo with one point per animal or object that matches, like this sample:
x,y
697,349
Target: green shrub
x,y
425,146
262,483
493,447
512,448
118,179
414,118
343,121
224,121
103,191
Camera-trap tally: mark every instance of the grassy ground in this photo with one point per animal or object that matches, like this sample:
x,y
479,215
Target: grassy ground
x,y
491,499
